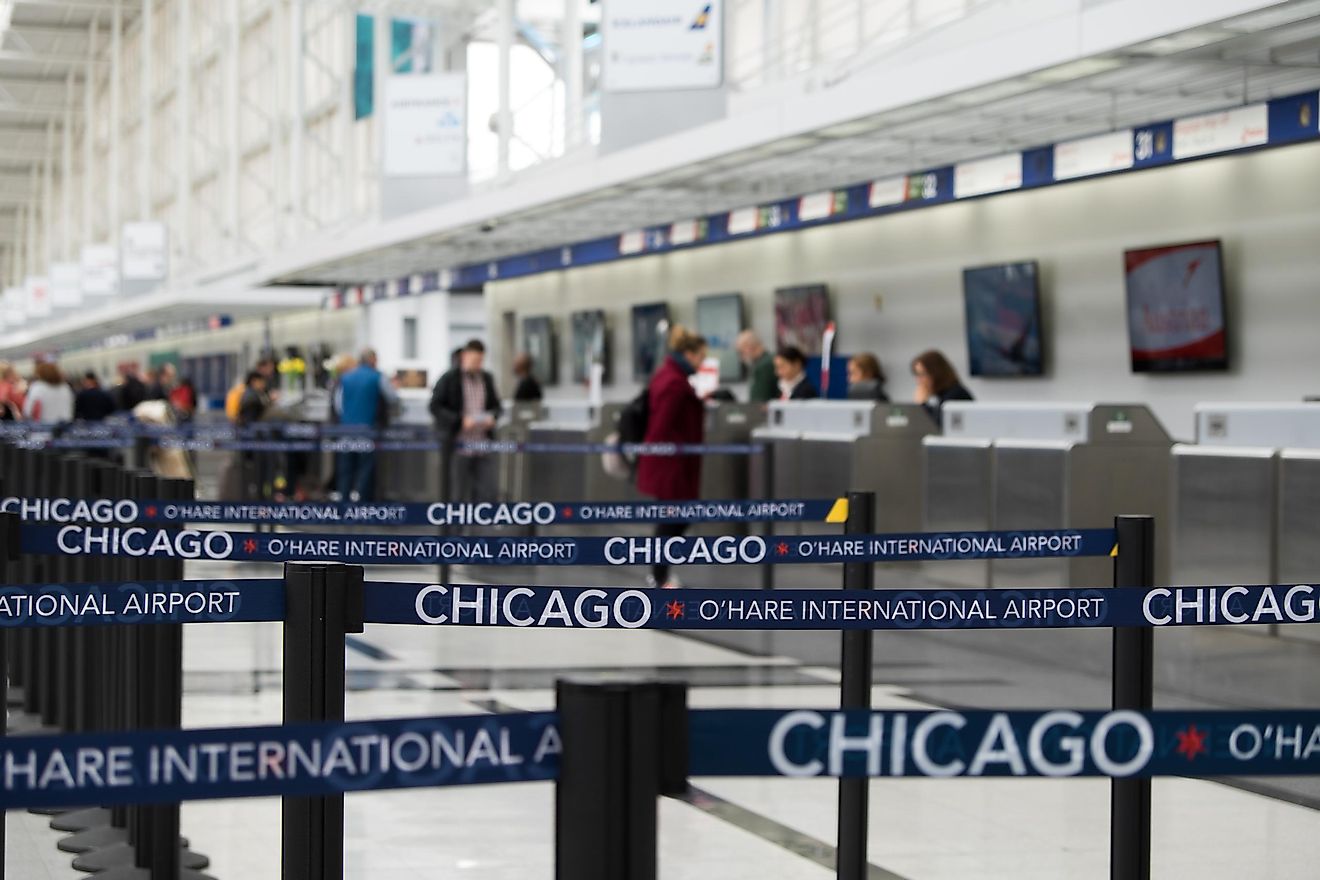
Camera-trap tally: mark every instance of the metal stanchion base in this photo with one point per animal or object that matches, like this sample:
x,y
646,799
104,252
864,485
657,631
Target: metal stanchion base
x,y
15,696
122,855
47,811
27,725
81,820
130,873
92,839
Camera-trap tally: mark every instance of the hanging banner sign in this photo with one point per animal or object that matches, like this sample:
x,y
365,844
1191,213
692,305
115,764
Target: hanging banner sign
x,y
662,45
37,294
700,609
151,602
65,285
425,125
156,543
305,760
144,252
100,270
1058,743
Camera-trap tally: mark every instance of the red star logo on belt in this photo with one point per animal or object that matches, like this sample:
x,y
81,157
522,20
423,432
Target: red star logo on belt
x,y
781,548
673,610
1191,742
250,545
151,511
567,512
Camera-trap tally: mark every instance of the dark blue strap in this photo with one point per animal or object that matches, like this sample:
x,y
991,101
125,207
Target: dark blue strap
x,y
203,601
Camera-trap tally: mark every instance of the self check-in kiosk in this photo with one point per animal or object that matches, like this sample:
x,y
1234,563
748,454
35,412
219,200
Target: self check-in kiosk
x,y
825,448
1047,466
1246,498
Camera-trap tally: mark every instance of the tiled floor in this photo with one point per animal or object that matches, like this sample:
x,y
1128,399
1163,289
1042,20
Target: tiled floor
x,y
729,828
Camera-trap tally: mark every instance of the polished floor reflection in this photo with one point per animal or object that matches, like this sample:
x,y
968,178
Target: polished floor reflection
x,y
737,828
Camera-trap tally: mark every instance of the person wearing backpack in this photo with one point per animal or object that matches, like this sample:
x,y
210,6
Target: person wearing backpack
x,y
674,415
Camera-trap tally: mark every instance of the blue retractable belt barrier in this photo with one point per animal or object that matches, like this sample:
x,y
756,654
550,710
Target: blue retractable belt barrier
x,y
144,542
1060,743
202,601
789,609
332,758
220,601
304,759
128,511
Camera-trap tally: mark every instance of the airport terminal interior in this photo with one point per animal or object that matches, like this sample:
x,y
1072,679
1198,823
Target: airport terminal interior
x,y
389,317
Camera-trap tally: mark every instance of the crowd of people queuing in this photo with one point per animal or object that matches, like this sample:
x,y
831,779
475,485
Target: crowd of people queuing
x,y
50,397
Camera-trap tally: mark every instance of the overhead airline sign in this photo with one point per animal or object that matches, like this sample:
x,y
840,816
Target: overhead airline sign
x,y
425,125
659,45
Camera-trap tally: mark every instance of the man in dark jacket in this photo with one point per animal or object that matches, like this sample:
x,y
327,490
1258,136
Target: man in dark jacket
x,y
92,403
132,390
465,406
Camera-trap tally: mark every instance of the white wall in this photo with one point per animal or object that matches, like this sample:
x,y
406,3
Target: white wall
x,y
1264,206
444,322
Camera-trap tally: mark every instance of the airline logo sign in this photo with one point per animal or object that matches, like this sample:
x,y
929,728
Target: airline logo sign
x,y
1218,132
425,125
661,45
1094,155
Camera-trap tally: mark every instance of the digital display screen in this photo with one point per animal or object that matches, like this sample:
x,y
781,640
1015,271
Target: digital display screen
x,y
1002,304
1175,308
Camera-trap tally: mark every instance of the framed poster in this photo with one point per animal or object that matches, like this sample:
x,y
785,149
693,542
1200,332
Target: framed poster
x,y
650,335
720,320
1176,309
1002,305
590,344
801,314
539,343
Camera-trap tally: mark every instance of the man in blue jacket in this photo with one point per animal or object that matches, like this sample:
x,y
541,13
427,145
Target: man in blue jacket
x,y
364,398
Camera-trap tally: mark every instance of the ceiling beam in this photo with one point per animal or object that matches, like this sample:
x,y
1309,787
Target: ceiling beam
x,y
20,56
88,5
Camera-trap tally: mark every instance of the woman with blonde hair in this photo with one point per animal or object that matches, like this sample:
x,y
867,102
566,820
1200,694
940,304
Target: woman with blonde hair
x,y
49,399
676,415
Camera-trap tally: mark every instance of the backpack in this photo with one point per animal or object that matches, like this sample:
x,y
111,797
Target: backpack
x,y
633,418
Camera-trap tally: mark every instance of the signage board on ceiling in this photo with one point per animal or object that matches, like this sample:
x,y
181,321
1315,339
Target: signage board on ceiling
x,y
100,270
661,45
65,285
425,125
144,251
15,306
38,296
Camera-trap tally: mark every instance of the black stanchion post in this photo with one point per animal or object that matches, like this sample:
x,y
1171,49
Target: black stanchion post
x,y
624,745
446,484
323,602
9,544
855,693
1134,686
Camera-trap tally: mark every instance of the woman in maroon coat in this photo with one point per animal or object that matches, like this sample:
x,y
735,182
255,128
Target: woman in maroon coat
x,y
676,415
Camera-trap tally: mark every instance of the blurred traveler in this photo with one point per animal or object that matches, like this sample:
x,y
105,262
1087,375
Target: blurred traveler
x,y
760,365
131,390
364,398
528,390
255,400
675,415
162,379
12,393
791,368
866,378
183,397
937,383
343,366
92,402
49,399
465,406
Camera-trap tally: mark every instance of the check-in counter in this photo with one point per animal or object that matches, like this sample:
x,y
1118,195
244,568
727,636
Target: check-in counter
x,y
515,427
1247,497
729,423
557,476
1063,465
409,475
